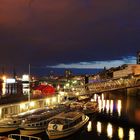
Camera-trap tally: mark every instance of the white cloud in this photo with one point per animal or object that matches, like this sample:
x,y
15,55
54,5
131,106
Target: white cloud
x,y
97,64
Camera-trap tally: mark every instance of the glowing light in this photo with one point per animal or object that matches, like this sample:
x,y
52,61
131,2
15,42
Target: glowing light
x,y
25,77
111,106
99,127
89,126
3,88
95,97
107,106
92,100
10,81
47,101
104,104
22,106
100,105
54,99
131,134
32,104
120,133
58,87
102,96
4,78
0,112
109,130
77,94
119,107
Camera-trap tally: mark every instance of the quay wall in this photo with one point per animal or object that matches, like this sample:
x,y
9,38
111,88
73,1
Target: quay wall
x,y
16,108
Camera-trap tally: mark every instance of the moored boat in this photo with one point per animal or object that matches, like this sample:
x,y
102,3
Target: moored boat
x,y
90,107
66,124
76,106
21,137
36,124
11,123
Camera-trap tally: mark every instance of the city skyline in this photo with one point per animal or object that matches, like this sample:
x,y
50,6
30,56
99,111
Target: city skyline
x,y
68,34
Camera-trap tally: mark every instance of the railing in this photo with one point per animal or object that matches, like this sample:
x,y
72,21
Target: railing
x,y
108,85
23,137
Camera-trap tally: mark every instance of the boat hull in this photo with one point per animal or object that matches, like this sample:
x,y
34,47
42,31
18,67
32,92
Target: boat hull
x,y
7,129
65,133
31,131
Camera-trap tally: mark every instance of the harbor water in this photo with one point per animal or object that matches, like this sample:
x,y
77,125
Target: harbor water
x,y
118,119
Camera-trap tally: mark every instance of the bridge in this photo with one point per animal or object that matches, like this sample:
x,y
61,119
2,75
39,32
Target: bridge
x,y
108,85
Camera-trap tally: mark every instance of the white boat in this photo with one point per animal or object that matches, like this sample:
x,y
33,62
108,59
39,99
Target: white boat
x,y
11,123
21,137
66,124
76,106
36,124
90,107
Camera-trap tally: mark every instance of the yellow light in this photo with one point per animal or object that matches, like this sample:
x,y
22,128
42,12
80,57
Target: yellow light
x,y
32,104
0,112
119,107
4,78
89,126
120,133
131,134
48,101
100,105
77,93
22,106
54,99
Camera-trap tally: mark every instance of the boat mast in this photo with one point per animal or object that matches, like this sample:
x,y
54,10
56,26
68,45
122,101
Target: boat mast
x,y
29,94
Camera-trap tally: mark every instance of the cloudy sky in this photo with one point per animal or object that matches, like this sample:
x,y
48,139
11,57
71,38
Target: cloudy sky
x,y
68,33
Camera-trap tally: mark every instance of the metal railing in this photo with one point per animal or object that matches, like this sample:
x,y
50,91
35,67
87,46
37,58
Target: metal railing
x,y
23,137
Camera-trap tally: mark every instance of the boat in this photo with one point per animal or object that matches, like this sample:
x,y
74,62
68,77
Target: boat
x,y
21,137
11,123
36,124
6,138
90,107
66,124
76,106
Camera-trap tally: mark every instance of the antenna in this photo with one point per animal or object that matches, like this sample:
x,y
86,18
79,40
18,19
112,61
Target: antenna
x,y
29,94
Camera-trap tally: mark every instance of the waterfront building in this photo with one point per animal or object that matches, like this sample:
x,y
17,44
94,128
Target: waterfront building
x,y
138,57
127,70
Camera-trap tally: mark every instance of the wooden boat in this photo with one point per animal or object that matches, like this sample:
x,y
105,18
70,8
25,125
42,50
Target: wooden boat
x,y
66,124
11,123
36,124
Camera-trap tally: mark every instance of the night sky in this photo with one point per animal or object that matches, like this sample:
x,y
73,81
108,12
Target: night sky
x,y
68,33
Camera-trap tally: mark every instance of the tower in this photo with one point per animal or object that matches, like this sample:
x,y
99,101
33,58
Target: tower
x,y
138,57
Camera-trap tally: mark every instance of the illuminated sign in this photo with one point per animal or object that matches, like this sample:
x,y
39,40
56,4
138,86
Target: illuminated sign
x,y
25,77
10,81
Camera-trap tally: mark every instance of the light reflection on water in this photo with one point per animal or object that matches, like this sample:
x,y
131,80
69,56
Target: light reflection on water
x,y
120,133
110,131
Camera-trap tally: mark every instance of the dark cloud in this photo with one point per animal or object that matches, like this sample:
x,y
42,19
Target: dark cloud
x,y
50,32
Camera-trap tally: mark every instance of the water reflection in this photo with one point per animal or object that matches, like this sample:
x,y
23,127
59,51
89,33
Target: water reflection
x,y
119,107
89,126
109,130
99,127
111,107
131,134
120,133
